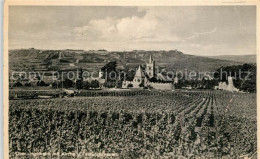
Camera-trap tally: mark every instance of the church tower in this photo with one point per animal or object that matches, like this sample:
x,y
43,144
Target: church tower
x,y
139,78
150,67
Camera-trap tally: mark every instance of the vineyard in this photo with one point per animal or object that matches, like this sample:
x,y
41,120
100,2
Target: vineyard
x,y
202,124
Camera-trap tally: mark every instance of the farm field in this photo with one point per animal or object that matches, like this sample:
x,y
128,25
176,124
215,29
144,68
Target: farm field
x,y
198,124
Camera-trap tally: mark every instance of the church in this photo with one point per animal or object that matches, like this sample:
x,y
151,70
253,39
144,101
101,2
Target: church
x,y
227,87
143,78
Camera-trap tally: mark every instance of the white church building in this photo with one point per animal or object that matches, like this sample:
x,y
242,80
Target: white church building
x,y
141,78
227,87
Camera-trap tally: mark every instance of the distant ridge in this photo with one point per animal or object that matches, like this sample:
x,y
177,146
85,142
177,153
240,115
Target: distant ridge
x,y
236,58
26,59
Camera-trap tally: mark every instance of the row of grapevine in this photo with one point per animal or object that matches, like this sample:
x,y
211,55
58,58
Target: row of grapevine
x,y
177,124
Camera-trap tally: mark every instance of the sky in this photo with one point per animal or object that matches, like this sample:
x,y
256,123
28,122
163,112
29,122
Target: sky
x,y
196,30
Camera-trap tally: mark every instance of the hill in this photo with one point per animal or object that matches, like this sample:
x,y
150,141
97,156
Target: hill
x,y
237,58
33,59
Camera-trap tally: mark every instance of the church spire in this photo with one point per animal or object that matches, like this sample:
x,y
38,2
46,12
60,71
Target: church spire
x,y
150,67
151,59
139,72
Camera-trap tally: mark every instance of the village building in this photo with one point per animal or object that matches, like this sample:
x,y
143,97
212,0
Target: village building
x,y
143,78
101,80
40,67
227,87
100,52
139,78
150,68
176,80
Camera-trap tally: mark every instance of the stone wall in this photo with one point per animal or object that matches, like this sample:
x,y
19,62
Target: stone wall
x,y
162,86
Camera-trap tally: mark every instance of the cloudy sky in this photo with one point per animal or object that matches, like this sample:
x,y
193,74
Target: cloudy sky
x,y
205,30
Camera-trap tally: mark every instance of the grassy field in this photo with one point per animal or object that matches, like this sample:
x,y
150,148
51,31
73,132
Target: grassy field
x,y
146,125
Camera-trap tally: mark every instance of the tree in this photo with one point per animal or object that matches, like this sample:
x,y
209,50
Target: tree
x,y
86,85
110,84
41,83
94,84
79,84
244,76
129,74
67,83
110,71
18,84
55,85
27,84
119,84
130,85
153,79
141,84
